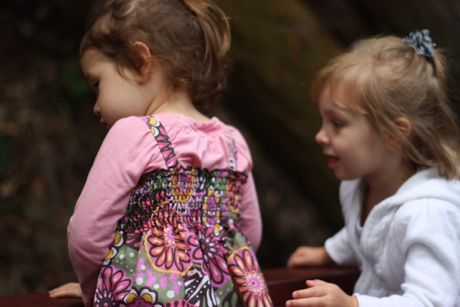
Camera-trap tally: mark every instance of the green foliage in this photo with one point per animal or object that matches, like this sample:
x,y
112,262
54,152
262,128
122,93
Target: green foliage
x,y
73,81
73,87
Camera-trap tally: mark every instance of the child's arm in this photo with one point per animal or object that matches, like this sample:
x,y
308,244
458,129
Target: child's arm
x,y
308,255
71,289
321,294
120,162
337,250
251,222
250,217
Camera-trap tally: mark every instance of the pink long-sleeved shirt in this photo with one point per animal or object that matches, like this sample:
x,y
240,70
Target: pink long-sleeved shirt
x,y
130,150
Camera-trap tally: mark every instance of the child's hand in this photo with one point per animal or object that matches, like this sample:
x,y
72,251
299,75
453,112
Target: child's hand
x,y
320,293
307,255
72,289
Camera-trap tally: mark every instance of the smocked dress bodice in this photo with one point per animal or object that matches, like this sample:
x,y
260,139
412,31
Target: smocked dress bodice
x,y
179,242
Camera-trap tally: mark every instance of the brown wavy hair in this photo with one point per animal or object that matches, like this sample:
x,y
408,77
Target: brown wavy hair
x,y
190,38
384,78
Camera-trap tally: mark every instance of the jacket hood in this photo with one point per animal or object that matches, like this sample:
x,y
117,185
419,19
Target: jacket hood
x,y
427,183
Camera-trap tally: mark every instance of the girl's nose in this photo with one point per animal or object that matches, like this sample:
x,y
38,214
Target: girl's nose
x,y
321,137
97,109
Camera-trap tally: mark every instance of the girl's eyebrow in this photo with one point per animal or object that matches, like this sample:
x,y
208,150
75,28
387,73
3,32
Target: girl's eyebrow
x,y
337,111
330,114
88,76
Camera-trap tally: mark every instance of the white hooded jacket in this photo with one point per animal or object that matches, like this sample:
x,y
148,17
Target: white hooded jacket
x,y
408,249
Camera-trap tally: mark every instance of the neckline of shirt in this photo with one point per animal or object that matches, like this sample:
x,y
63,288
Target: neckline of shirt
x,y
184,120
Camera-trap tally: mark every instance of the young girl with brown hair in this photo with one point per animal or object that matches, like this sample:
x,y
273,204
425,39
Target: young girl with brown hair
x,y
169,214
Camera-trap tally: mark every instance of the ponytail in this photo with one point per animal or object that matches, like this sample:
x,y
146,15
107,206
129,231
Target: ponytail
x,y
215,27
216,36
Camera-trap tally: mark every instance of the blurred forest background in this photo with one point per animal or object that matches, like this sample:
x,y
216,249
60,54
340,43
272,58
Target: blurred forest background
x,y
49,136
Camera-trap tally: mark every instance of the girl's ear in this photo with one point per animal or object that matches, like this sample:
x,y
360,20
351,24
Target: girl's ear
x,y
147,61
405,128
404,125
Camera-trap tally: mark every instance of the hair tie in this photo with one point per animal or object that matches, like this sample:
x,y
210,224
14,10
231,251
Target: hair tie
x,y
421,42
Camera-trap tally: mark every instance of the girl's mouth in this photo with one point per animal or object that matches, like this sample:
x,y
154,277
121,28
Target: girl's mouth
x,y
103,123
332,161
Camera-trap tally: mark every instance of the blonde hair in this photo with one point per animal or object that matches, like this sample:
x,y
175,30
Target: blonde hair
x,y
190,38
386,79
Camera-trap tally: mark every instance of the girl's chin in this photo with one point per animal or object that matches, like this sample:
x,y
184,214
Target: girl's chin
x,y
343,176
105,124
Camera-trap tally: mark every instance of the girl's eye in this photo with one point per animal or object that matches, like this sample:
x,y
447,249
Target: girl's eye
x,y
337,124
95,85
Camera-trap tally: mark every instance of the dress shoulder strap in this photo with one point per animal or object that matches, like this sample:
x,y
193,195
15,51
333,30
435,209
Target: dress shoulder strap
x,y
162,138
232,156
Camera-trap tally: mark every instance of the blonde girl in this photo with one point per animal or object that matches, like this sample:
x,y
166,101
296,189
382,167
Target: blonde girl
x,y
390,136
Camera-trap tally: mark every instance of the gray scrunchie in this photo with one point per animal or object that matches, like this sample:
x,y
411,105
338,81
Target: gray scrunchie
x,y
421,42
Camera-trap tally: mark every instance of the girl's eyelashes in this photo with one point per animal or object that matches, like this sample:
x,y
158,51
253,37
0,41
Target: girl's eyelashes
x,y
332,121
336,123
95,85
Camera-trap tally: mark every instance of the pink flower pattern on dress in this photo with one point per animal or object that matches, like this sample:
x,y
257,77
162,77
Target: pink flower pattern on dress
x,y
112,288
208,249
249,280
179,303
168,249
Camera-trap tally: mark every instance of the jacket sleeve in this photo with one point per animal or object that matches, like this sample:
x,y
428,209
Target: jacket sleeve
x,y
120,162
430,239
339,249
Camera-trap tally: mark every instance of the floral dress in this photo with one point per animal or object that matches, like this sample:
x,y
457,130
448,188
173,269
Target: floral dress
x,y
178,243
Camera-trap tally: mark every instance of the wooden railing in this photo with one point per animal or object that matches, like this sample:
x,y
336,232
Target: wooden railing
x,y
39,300
281,282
